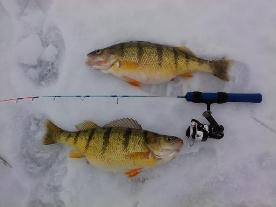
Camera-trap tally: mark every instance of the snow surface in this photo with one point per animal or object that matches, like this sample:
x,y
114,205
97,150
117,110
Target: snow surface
x,y
43,46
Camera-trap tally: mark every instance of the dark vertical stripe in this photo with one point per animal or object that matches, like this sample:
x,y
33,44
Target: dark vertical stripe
x,y
106,137
139,52
127,136
122,49
160,51
76,137
68,137
90,137
176,57
145,135
186,59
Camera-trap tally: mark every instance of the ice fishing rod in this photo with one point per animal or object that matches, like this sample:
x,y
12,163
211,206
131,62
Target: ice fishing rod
x,y
196,130
190,96
201,132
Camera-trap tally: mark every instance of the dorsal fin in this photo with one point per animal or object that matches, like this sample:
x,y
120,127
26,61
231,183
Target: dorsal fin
x,y
124,122
186,50
86,125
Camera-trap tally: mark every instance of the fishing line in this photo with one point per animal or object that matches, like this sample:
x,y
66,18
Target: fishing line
x,y
83,97
5,162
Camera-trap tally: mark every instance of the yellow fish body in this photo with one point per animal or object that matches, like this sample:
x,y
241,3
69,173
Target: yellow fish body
x,y
149,63
121,145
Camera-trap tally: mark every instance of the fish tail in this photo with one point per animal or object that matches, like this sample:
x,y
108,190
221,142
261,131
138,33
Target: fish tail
x,y
52,132
220,68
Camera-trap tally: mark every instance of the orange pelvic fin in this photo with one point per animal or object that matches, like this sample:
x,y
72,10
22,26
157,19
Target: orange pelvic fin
x,y
133,82
187,75
133,172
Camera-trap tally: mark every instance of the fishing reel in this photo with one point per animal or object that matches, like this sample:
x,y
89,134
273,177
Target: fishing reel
x,y
198,131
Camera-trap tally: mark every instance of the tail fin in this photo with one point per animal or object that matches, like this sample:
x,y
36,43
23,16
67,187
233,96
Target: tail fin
x,y
52,132
220,68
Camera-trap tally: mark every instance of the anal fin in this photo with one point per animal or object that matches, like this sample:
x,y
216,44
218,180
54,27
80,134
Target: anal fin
x,y
75,153
187,75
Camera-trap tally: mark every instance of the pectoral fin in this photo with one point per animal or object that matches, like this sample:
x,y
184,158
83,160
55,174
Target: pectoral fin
x,y
75,153
133,172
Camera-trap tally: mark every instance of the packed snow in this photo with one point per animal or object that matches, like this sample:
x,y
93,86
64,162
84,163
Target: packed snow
x,y
43,47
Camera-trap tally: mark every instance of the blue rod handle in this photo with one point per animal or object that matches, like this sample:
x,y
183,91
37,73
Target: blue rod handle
x,y
221,97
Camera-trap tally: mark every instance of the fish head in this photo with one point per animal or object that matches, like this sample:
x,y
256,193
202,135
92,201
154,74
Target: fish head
x,y
101,59
164,147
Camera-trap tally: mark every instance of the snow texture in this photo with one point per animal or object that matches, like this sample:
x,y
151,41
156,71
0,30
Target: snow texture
x,y
43,46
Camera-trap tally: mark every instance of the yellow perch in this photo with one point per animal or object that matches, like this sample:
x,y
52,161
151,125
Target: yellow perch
x,y
149,63
121,145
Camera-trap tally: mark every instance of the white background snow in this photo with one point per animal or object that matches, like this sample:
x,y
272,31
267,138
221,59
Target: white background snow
x,y
43,46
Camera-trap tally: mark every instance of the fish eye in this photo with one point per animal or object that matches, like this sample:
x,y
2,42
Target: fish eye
x,y
98,52
169,139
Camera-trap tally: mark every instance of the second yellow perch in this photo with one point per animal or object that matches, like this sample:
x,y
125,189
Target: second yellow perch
x,y
121,145
149,63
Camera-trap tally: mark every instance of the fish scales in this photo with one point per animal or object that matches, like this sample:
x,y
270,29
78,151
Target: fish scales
x,y
91,133
113,149
82,140
155,57
105,139
115,152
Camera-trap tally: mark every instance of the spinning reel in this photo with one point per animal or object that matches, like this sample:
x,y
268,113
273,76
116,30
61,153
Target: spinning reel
x,y
198,131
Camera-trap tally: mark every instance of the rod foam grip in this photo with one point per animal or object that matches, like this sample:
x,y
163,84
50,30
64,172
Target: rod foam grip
x,y
221,97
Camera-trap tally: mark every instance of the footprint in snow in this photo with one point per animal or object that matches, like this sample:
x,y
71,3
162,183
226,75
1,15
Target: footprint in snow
x,y
41,45
45,165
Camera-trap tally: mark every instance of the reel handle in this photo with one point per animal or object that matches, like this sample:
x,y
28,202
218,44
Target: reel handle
x,y
210,118
222,97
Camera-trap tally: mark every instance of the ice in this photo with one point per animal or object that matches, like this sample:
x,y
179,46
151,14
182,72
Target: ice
x,y
43,47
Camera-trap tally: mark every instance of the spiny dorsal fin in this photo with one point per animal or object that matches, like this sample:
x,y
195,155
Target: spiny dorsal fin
x,y
125,122
186,50
86,125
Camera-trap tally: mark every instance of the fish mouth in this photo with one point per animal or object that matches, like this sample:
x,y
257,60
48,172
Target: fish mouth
x,y
97,64
90,54
168,152
166,155
178,146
